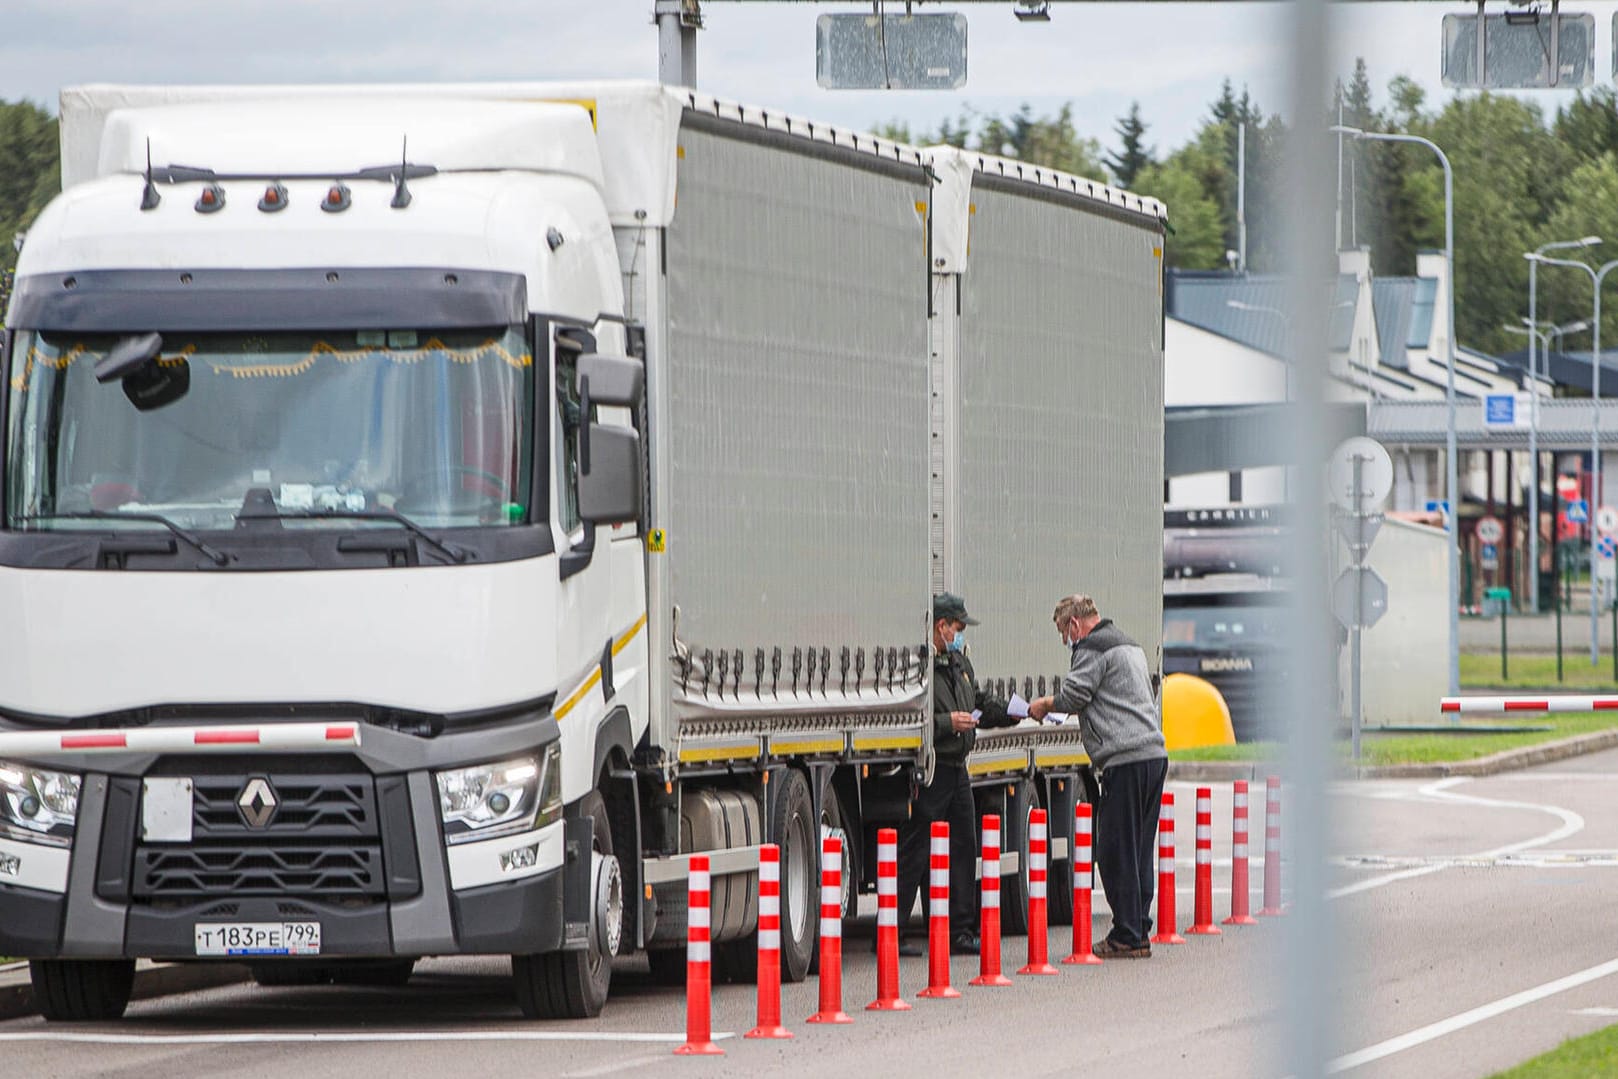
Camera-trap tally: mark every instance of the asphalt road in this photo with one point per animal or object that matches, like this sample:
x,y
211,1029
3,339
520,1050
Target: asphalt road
x,y
1461,906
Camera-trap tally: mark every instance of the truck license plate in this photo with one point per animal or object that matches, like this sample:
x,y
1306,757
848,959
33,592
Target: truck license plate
x,y
258,938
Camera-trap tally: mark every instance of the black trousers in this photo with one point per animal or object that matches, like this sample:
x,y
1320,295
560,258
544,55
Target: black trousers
x,y
947,798
1126,845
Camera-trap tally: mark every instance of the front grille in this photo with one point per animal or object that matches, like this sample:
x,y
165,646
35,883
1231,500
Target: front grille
x,y
322,841
309,806
317,870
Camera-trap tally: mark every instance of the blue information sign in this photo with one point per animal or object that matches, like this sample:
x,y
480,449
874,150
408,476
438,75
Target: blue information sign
x,y
1578,511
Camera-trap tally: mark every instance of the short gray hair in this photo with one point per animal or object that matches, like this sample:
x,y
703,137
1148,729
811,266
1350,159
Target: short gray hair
x,y
1074,606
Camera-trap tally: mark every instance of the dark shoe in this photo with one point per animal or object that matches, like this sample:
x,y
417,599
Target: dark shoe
x,y
966,944
1112,949
913,949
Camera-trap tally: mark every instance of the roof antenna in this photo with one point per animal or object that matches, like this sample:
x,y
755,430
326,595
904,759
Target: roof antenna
x,y
149,198
401,193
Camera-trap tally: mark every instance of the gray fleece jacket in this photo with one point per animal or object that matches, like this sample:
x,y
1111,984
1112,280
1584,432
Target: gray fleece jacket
x,y
1110,689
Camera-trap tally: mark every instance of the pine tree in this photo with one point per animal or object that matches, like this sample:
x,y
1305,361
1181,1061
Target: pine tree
x,y
1133,154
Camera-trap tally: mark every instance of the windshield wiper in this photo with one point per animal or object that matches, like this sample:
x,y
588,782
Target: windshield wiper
x,y
213,554
444,547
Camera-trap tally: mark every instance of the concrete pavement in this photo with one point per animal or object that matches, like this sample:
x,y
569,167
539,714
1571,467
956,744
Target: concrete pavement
x,y
1474,931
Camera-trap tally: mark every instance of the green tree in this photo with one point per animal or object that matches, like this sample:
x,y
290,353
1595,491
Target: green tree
x,y
1196,241
1133,154
1051,141
29,171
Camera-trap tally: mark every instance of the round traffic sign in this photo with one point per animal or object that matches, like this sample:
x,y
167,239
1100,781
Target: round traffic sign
x,y
1375,475
1490,530
1607,520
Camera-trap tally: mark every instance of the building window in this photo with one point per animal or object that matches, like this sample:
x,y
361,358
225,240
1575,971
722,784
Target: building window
x,y
1236,487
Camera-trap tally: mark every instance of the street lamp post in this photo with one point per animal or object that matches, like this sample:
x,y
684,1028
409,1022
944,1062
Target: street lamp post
x,y
1451,469
1596,277
1533,406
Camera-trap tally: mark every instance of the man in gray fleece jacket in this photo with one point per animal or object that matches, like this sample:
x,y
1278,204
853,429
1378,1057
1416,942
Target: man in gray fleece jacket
x,y
1109,687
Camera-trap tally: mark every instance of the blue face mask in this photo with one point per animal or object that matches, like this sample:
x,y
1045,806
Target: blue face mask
x,y
958,644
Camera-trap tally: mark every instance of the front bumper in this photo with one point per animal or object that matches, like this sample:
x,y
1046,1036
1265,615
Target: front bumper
x,y
396,889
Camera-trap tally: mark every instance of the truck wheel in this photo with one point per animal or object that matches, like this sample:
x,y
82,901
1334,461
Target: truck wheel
x,y
82,990
792,825
1060,873
573,985
1014,837
833,822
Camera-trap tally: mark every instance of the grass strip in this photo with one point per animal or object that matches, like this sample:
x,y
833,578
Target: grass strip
x,y
1576,1058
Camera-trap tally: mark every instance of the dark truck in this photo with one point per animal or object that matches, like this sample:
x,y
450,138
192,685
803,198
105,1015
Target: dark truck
x,y
1225,592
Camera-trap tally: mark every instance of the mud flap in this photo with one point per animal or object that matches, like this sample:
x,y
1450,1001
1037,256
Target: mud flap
x,y
578,838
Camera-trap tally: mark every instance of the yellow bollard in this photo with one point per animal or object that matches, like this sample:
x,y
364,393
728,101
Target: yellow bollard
x,y
1194,714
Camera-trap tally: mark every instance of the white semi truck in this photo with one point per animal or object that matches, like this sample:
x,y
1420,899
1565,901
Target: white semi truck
x,y
431,512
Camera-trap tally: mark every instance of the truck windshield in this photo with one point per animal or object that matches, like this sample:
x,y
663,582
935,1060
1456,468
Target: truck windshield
x,y
1228,627
429,424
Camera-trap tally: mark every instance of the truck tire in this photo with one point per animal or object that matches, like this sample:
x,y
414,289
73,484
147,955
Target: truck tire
x,y
1060,804
573,985
1014,837
833,821
82,990
792,826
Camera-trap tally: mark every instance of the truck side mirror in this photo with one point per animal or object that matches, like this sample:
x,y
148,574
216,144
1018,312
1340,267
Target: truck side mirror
x,y
610,380
610,475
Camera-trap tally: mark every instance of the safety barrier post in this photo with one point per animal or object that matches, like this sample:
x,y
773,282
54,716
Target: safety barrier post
x,y
1272,848
989,930
1038,862
1166,919
938,987
887,924
699,972
1083,949
1239,888
1202,897
769,945
831,934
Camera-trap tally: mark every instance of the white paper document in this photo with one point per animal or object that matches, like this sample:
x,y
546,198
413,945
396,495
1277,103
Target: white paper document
x,y
1017,708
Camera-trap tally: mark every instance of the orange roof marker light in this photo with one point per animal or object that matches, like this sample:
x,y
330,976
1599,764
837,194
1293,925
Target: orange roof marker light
x,y
274,199
336,200
212,199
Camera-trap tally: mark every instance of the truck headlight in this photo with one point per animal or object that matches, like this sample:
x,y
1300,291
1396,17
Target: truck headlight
x,y
489,800
38,805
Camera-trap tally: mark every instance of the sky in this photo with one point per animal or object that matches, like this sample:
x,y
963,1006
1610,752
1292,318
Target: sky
x,y
1170,57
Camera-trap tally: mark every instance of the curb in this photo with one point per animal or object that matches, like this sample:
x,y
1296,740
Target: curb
x,y
151,980
1509,760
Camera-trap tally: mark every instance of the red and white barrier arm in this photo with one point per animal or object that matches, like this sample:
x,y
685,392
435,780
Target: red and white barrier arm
x,y
235,739
1496,705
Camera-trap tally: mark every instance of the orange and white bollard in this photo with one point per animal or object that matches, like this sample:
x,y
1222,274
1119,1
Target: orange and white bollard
x,y
1166,919
887,924
989,947
1083,949
769,945
938,987
1272,848
1202,898
831,934
698,963
1239,886
1038,863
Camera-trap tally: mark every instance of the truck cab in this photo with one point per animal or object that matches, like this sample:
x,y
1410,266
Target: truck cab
x,y
322,418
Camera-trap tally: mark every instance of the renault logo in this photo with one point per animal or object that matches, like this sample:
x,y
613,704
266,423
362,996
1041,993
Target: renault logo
x,y
257,802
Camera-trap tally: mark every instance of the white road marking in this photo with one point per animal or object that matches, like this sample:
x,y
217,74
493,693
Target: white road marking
x,y
1439,791
1422,1035
85,1038
1551,859
616,1066
1604,1013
